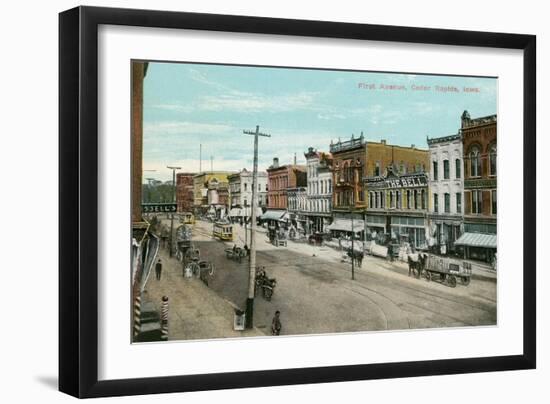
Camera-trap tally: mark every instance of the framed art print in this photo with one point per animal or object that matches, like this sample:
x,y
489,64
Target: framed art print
x,y
331,193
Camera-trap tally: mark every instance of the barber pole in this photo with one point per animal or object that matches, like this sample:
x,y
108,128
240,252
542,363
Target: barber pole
x,y
164,318
137,315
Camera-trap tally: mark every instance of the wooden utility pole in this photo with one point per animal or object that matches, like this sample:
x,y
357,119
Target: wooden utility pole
x,y
173,201
252,271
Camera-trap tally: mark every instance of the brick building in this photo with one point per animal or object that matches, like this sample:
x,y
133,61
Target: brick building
x,y
479,137
348,196
280,179
397,206
184,192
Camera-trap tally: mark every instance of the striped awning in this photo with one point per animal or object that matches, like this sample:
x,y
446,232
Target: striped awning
x,y
346,225
478,240
274,215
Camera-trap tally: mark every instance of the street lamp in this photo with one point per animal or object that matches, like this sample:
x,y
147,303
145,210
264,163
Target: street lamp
x,y
173,201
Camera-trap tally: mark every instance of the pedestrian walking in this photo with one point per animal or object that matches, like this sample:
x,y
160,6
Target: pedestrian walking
x,y
390,252
158,269
276,324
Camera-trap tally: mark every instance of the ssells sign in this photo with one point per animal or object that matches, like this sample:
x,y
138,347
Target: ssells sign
x,y
158,207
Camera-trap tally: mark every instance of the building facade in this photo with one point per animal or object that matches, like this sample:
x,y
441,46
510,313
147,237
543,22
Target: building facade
x,y
446,208
479,138
240,193
184,192
348,196
211,180
318,205
280,179
397,207
297,200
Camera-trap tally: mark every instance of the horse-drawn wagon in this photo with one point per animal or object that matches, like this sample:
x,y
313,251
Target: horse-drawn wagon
x,y
447,269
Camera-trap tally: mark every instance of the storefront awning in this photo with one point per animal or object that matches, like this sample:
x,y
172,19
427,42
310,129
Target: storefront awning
x,y
235,212
345,225
478,240
274,215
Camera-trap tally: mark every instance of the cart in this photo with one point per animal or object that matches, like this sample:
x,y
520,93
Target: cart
x,y
448,270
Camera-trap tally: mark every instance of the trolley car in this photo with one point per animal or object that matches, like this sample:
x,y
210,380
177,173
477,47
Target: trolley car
x,y
187,218
223,231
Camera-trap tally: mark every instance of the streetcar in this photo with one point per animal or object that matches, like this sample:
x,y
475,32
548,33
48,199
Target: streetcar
x,y
187,218
223,231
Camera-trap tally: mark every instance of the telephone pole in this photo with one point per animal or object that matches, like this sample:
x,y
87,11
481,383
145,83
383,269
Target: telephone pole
x,y
173,201
252,272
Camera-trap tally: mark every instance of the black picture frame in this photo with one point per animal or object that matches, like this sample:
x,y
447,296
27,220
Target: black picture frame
x,y
78,196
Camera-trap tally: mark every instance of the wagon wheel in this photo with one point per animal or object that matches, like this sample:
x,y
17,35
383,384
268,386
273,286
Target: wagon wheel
x,y
465,280
195,269
428,276
452,281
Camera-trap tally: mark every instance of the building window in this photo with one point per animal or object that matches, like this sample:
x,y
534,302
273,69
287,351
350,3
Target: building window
x,y
376,200
436,204
415,199
398,199
435,171
370,200
457,168
446,175
423,197
408,199
392,201
475,162
458,202
494,201
447,203
377,169
477,202
493,160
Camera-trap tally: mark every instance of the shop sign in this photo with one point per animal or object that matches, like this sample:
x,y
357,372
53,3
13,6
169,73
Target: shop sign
x,y
158,207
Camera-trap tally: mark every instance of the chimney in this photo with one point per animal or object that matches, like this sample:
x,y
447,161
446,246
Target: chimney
x,y
294,158
383,141
275,162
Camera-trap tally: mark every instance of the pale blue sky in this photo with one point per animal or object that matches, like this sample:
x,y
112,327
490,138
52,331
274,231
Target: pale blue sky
x,y
189,104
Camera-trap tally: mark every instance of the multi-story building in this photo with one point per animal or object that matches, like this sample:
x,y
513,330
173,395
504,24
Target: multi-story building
x,y
398,206
389,163
297,198
348,196
184,192
479,138
240,193
318,204
204,181
446,211
280,179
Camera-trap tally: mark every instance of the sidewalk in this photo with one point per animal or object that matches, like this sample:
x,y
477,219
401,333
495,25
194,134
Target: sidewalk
x,y
194,309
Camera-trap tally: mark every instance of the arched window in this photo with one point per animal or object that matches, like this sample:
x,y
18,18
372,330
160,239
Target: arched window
x,y
475,162
493,160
